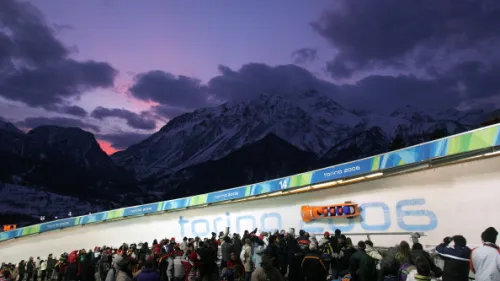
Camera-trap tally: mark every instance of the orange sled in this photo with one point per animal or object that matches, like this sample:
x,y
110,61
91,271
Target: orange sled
x,y
346,210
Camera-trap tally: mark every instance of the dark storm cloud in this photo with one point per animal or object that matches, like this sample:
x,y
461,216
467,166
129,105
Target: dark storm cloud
x,y
446,89
254,79
33,122
134,120
168,89
123,140
167,111
53,84
387,33
73,110
34,64
304,55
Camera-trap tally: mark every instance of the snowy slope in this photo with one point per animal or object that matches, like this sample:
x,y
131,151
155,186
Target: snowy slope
x,y
16,199
310,121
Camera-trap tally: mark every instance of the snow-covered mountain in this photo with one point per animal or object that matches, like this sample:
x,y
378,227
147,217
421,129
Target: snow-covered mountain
x,y
310,121
68,161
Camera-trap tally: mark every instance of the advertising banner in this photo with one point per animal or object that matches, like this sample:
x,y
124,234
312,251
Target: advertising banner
x,y
93,218
224,195
48,226
141,210
342,171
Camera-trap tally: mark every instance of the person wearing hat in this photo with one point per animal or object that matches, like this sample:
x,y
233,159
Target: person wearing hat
x,y
485,260
266,271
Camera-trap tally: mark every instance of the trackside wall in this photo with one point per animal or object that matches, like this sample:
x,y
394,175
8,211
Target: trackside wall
x,y
455,199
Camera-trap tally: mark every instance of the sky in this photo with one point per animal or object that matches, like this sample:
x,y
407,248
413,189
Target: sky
x,y
121,68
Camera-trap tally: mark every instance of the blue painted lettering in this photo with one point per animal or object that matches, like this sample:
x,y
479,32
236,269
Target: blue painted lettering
x,y
274,220
197,232
241,218
216,220
276,225
375,227
182,222
401,214
228,219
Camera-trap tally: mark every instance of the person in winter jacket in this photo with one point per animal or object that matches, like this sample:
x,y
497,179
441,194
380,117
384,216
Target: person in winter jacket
x,y
226,250
283,253
51,262
273,250
366,264
313,266
267,271
148,273
43,270
36,272
209,267
21,269
422,271
372,252
417,251
259,249
303,241
30,269
456,258
389,267
179,269
246,258
346,252
295,257
71,273
403,253
485,260
120,269
237,245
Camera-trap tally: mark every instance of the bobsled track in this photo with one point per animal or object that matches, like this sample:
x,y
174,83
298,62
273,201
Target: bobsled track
x,y
459,198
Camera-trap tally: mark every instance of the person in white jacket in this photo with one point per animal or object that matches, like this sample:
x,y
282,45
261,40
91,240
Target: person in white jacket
x,y
258,250
485,260
43,270
246,258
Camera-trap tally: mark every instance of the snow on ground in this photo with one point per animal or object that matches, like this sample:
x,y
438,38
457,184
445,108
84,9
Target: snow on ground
x,y
37,202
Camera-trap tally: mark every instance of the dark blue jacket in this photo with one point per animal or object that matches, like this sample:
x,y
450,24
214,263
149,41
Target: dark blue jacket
x,y
148,274
456,262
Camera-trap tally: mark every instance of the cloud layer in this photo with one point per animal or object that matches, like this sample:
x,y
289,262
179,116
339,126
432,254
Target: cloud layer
x,y
370,35
134,120
34,64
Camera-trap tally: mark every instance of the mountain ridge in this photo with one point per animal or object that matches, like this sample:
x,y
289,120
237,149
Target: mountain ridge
x,y
210,149
310,121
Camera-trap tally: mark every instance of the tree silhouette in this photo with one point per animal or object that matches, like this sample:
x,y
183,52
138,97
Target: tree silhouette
x,y
397,142
439,133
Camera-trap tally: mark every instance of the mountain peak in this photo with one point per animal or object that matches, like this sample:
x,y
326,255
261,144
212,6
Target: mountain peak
x,y
7,126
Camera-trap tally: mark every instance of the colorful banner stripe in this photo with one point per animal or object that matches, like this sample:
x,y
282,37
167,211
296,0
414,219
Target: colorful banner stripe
x,y
467,142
